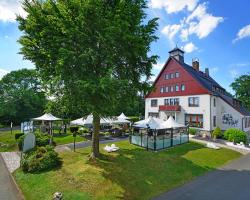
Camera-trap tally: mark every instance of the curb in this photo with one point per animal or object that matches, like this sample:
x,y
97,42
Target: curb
x,y
20,193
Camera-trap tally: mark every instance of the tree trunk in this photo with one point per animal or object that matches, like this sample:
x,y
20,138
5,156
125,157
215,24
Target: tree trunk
x,y
95,137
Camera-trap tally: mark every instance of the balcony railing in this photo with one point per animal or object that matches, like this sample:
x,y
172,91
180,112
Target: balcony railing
x,y
170,108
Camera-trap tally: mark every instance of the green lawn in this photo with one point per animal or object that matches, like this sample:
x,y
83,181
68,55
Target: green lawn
x,y
8,143
130,173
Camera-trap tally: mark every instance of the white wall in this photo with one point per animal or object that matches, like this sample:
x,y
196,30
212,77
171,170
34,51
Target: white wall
x,y
203,109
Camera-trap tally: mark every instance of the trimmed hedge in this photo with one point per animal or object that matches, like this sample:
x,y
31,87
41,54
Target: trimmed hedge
x,y
235,135
40,159
217,133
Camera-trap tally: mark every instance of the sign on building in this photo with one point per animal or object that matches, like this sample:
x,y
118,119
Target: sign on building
x,y
29,142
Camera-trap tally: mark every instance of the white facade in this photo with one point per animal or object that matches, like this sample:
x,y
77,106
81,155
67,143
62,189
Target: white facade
x,y
214,110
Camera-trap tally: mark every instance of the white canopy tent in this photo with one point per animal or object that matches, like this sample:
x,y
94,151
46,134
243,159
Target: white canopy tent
x,y
155,123
88,121
47,117
122,116
171,123
120,121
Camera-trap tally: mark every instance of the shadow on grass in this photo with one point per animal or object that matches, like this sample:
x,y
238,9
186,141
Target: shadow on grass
x,y
143,174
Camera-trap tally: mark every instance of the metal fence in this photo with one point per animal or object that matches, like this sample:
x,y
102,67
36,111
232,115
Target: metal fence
x,y
159,139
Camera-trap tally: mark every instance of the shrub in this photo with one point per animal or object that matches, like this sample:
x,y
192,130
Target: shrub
x,y
73,129
133,119
217,133
40,159
235,135
192,131
18,135
42,139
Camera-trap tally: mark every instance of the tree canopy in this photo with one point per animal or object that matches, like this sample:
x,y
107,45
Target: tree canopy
x,y
241,86
94,54
21,96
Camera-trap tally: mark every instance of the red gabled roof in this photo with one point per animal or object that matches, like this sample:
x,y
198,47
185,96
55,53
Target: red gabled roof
x,y
197,87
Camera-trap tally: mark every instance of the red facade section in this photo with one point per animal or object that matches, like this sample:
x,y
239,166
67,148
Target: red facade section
x,y
170,108
192,87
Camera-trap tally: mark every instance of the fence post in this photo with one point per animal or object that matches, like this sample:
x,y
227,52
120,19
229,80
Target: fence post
x,y
188,132
154,140
171,137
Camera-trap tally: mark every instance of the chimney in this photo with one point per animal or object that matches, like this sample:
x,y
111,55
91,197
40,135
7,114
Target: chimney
x,y
196,64
206,71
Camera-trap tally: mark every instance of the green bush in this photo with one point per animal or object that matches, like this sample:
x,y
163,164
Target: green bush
x,y
133,119
18,135
235,135
40,159
192,131
217,133
42,139
73,129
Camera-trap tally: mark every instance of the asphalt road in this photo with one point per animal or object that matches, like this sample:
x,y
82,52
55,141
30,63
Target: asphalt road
x,y
8,190
231,182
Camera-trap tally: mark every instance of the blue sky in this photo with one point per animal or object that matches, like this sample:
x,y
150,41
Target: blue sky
x,y
216,32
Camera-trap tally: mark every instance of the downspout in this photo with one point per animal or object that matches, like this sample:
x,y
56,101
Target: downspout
x,y
210,115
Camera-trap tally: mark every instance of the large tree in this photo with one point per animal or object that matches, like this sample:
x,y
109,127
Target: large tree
x,y
95,54
241,86
21,96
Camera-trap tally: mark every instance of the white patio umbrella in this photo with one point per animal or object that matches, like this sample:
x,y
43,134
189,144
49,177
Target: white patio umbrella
x,y
151,122
171,123
122,116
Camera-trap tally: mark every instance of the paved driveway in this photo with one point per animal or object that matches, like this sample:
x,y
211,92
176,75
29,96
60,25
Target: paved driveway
x,y
231,182
8,190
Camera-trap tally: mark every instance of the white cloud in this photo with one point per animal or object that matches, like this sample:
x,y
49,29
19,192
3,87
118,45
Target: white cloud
x,y
234,73
158,66
9,9
202,23
173,6
3,72
243,33
171,30
199,22
189,47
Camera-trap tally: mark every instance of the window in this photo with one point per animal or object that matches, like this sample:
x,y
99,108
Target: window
x,y
171,102
153,114
171,88
214,121
154,103
177,88
194,120
182,87
176,101
177,74
166,88
166,76
171,75
162,90
193,101
214,102
166,102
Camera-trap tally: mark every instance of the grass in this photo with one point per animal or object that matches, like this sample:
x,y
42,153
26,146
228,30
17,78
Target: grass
x,y
8,142
130,173
66,138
